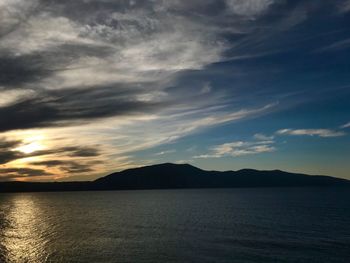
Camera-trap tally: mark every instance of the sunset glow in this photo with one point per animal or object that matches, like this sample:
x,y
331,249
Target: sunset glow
x,y
30,147
92,87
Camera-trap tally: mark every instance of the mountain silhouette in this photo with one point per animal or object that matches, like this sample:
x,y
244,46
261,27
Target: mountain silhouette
x,y
169,175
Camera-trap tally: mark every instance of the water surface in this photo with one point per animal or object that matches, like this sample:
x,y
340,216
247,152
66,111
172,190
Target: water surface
x,y
204,225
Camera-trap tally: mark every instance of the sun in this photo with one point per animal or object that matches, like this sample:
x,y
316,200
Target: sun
x,y
33,144
30,148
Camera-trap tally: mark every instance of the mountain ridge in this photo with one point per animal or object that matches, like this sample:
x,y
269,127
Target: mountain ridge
x,y
170,176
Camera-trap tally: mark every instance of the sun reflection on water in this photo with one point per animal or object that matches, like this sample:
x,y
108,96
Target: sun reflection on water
x,y
24,235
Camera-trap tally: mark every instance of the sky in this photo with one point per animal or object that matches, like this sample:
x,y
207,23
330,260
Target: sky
x,y
91,87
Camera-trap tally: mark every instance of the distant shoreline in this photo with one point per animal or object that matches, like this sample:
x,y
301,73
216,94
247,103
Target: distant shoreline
x,y
155,189
179,176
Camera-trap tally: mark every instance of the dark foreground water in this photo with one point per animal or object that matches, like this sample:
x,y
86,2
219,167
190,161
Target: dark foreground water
x,y
217,225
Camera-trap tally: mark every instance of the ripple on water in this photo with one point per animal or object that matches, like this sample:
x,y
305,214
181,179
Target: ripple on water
x,y
217,225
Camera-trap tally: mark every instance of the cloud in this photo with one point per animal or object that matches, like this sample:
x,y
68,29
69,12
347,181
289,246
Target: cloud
x,y
68,165
9,151
164,152
14,173
70,151
13,13
67,107
67,62
6,152
81,160
311,132
344,7
263,137
207,88
15,95
119,43
346,125
249,7
223,117
238,148
339,45
78,151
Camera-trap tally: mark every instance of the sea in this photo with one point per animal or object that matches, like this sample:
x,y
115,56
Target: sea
x,y
187,225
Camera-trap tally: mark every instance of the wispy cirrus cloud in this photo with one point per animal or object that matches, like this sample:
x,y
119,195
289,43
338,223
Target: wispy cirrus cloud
x,y
238,148
346,125
164,152
339,45
344,6
263,137
249,8
311,132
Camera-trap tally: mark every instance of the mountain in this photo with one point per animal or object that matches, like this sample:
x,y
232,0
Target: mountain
x,y
168,175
